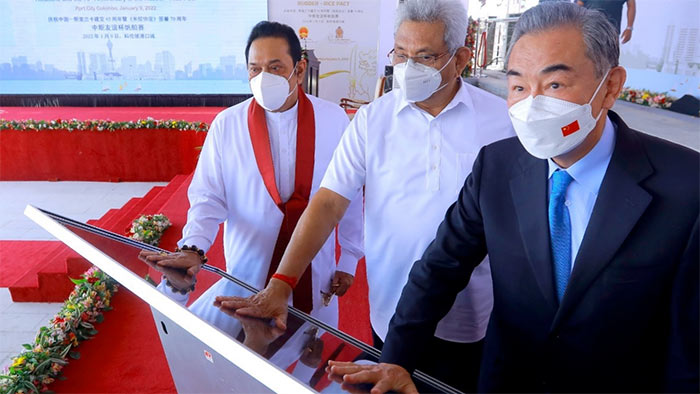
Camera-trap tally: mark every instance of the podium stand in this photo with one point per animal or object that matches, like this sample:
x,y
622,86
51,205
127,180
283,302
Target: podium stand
x,y
208,350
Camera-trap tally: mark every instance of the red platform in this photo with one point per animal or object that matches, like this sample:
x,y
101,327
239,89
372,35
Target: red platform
x,y
126,356
148,155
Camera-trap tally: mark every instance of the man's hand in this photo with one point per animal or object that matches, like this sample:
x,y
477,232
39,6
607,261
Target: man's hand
x,y
312,352
626,35
385,377
169,265
185,261
258,333
269,303
341,283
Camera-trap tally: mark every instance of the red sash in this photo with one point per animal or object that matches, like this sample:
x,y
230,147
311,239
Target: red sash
x,y
303,176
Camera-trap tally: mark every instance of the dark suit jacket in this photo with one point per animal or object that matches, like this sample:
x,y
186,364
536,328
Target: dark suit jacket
x,y
629,318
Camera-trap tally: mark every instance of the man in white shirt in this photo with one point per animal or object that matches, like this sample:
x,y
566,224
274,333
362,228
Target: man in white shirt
x,y
260,163
411,150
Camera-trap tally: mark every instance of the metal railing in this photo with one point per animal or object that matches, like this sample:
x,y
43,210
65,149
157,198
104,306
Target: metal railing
x,y
492,42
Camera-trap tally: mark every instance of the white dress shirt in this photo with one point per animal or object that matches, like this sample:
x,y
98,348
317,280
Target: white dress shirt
x,y
582,192
282,129
227,187
413,166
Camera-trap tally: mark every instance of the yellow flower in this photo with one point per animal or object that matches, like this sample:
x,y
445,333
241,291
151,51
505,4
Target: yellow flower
x,y
19,361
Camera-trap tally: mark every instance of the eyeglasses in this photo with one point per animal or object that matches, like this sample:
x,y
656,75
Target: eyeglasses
x,y
427,60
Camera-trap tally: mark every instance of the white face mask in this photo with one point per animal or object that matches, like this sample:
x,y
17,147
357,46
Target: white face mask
x,y
549,127
270,90
416,81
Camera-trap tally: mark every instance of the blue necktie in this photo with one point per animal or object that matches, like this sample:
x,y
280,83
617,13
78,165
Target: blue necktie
x,y
560,231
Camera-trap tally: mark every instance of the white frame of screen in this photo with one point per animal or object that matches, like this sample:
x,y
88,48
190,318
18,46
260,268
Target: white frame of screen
x,y
250,362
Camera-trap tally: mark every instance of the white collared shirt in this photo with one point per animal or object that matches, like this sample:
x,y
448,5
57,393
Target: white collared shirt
x,y
581,195
282,129
227,188
412,166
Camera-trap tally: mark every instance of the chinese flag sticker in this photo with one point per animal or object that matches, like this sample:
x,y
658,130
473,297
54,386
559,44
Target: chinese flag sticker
x,y
570,128
208,356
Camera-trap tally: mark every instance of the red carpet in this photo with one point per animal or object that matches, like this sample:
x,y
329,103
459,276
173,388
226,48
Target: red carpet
x,y
117,114
126,355
17,256
102,156
46,270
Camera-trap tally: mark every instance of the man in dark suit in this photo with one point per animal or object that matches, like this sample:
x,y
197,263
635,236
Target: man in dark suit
x,y
591,227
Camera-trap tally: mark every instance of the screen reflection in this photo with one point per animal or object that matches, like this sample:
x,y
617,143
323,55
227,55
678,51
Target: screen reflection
x,y
303,349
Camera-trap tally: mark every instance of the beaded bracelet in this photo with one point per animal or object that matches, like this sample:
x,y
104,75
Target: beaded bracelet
x,y
181,291
195,249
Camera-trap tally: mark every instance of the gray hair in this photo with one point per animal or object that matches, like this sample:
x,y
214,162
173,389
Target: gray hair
x,y
599,35
450,12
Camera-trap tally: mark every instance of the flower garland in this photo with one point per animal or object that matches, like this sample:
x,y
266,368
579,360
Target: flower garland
x,y
37,367
148,228
645,97
101,125
40,364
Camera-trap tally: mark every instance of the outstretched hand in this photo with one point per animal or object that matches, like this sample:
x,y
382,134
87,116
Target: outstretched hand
x,y
385,377
187,261
180,278
269,303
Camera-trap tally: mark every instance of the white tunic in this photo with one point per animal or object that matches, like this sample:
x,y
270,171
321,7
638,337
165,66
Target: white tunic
x,y
227,187
412,166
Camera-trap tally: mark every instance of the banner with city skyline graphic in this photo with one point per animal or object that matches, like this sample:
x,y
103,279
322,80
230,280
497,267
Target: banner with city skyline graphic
x,y
126,46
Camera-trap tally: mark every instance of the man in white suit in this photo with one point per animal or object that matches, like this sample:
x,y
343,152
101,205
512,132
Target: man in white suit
x,y
261,162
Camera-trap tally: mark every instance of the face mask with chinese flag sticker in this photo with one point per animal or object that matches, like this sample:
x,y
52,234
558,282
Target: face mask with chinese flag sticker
x,y
549,127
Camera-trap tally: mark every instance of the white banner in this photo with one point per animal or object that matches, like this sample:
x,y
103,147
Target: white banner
x,y
344,36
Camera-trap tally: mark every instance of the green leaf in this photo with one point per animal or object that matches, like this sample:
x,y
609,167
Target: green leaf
x,y
59,361
74,355
61,377
32,387
43,364
100,318
27,346
65,351
77,281
93,332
